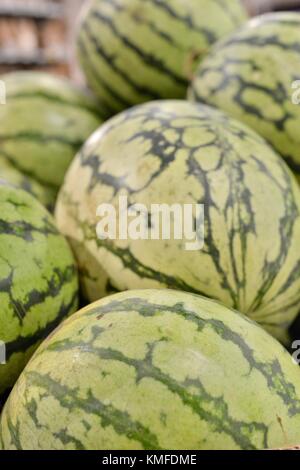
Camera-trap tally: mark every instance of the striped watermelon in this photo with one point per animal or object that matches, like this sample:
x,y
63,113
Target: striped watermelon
x,y
38,279
251,75
133,51
13,176
43,124
176,152
155,369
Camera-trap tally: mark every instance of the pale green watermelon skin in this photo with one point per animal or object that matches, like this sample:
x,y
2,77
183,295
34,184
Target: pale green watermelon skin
x,y
155,369
251,74
43,124
175,152
132,51
38,279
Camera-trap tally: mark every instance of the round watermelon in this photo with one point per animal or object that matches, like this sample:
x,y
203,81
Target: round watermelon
x,y
38,279
155,369
43,124
13,176
175,152
132,51
254,75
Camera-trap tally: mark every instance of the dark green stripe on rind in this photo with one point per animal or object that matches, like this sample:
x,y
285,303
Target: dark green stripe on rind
x,y
178,152
107,87
38,279
148,59
272,372
125,75
145,21
218,419
54,118
159,41
23,343
186,19
51,98
109,415
10,159
42,138
165,332
250,75
142,270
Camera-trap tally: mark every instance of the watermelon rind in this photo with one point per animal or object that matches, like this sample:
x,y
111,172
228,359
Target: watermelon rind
x,y
132,51
38,279
45,121
175,152
155,370
254,76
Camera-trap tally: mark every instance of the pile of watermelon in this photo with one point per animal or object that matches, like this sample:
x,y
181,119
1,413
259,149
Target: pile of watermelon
x,y
189,103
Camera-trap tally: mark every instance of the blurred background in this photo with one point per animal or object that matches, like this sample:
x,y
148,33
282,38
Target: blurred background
x,y
38,33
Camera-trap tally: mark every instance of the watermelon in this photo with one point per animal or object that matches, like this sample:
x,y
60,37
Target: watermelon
x,y
253,75
38,279
13,176
43,124
155,369
132,51
175,152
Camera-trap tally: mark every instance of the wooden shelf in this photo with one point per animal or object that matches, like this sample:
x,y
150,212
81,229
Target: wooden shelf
x,y
39,57
31,9
35,34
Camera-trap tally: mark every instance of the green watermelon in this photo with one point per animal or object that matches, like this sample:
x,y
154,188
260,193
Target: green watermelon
x,y
155,369
38,279
13,176
132,51
175,152
42,126
253,75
